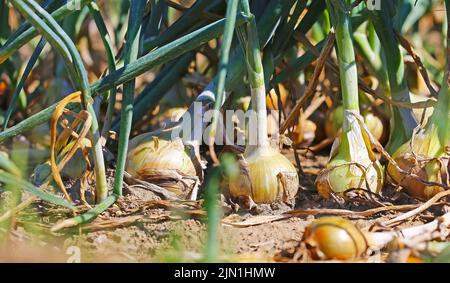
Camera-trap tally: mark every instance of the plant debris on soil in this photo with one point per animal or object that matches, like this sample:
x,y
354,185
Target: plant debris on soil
x,y
141,227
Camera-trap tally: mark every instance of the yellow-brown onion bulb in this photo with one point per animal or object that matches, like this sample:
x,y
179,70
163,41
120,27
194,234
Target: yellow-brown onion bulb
x,y
334,238
153,158
432,169
265,176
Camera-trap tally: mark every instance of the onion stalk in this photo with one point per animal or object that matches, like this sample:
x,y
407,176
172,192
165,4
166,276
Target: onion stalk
x,y
426,155
266,175
352,163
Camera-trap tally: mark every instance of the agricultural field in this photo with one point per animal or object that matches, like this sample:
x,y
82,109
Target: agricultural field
x,y
234,131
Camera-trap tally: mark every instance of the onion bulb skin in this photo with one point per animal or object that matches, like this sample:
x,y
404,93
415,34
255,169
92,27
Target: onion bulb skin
x,y
152,158
334,238
265,176
431,169
352,165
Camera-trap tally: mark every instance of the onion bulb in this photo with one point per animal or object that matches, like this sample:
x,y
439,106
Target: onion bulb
x,y
265,176
416,157
352,164
161,161
334,238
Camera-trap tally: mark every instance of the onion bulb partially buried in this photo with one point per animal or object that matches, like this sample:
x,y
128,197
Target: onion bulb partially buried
x,y
265,176
334,238
159,161
416,157
353,164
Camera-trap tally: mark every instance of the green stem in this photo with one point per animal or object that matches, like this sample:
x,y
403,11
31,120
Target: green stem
x,y
346,54
107,43
249,40
212,192
131,54
54,33
371,57
88,216
232,7
30,188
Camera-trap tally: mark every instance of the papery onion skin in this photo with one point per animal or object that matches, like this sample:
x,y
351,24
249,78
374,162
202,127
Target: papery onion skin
x,y
352,164
345,176
429,171
335,120
260,178
334,238
152,153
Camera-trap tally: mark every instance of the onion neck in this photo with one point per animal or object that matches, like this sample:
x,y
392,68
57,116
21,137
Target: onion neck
x,y
250,42
346,56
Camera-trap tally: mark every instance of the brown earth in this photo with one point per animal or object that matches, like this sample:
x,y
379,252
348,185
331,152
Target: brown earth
x,y
141,227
